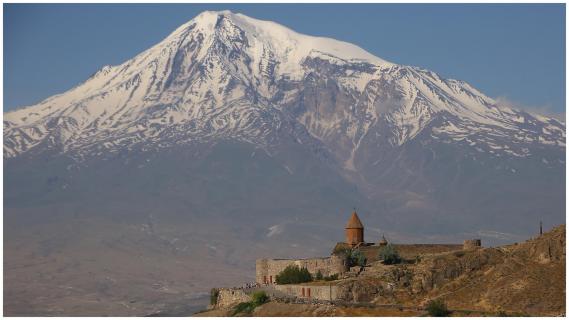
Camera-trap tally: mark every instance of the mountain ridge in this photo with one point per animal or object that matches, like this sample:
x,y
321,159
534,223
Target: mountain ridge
x,y
237,67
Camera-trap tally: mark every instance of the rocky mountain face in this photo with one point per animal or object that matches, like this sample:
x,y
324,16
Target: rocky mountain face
x,y
235,119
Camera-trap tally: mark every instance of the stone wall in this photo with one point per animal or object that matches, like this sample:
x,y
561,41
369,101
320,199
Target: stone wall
x,y
324,292
230,297
268,269
410,251
472,244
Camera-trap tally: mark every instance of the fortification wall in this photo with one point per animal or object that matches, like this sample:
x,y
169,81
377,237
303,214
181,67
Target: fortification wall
x,y
230,297
410,251
268,269
325,292
472,244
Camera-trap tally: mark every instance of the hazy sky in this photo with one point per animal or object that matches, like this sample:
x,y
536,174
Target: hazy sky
x,y
516,52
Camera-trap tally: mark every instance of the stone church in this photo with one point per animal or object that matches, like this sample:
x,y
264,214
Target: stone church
x,y
267,269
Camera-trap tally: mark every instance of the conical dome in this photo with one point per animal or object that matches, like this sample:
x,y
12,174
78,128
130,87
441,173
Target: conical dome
x,y
354,222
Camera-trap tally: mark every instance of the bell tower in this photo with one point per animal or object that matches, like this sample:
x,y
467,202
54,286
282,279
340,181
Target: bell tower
x,y
354,230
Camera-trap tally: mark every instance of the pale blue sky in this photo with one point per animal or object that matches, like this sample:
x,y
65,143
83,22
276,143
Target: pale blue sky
x,y
512,51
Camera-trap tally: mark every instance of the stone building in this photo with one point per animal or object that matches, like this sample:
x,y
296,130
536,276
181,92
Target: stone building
x,y
326,292
268,269
354,231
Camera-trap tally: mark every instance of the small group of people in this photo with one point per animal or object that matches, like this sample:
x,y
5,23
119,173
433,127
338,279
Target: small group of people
x,y
248,285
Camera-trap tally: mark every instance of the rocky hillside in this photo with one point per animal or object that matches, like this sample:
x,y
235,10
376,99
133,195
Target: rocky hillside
x,y
525,278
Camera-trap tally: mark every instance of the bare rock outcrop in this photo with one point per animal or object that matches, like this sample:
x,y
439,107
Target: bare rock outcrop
x,y
360,290
435,271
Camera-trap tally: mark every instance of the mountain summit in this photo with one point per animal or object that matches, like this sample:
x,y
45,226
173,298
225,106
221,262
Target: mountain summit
x,y
228,75
215,75
391,131
235,138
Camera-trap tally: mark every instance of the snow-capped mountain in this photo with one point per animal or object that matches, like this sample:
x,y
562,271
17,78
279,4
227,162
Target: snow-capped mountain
x,y
214,76
327,114
225,75
235,138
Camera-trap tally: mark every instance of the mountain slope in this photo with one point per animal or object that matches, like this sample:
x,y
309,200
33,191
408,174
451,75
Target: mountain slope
x,y
228,75
236,122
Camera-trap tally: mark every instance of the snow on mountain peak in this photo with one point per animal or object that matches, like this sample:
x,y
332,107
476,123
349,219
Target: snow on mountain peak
x,y
299,46
224,74
289,47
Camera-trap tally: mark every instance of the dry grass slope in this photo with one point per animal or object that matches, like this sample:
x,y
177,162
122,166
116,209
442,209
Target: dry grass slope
x,y
526,278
